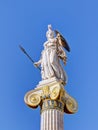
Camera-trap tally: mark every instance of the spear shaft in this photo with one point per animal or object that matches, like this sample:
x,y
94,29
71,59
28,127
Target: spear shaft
x,y
24,51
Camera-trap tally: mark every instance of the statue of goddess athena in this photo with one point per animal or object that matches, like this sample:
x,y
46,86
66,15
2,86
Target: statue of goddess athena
x,y
51,55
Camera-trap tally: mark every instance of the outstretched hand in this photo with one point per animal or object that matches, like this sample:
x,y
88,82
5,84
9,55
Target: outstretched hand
x,y
36,64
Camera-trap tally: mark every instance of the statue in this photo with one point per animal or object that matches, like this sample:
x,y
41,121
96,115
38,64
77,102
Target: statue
x,y
52,54
50,94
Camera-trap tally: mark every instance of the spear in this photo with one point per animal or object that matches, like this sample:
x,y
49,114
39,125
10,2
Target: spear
x,y
24,51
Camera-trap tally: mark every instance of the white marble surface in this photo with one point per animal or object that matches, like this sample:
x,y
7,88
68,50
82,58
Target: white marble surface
x,y
52,119
50,58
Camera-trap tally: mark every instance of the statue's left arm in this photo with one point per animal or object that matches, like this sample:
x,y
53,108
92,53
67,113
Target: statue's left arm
x,y
62,54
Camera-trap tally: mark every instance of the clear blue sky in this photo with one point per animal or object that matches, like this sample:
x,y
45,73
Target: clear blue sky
x,y
25,22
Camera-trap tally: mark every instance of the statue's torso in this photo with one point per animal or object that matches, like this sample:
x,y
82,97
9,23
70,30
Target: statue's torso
x,y
51,44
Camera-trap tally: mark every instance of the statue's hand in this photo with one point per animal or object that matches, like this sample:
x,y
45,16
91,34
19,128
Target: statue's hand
x,y
36,64
64,60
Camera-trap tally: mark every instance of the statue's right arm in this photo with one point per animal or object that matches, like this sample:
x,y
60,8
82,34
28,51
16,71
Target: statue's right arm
x,y
37,63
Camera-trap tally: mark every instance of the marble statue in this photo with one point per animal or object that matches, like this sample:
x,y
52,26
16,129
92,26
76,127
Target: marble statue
x,y
50,94
52,54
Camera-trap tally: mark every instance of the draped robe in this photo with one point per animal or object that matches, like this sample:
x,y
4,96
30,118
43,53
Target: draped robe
x,y
50,61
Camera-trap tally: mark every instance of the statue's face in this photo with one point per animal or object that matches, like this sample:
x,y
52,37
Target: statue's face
x,y
50,34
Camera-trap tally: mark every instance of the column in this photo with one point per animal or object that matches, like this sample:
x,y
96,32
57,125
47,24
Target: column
x,y
52,119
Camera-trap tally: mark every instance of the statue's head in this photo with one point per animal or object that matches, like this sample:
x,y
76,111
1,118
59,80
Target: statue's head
x,y
50,32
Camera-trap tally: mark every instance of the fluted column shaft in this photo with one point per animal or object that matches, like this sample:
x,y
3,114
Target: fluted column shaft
x,y
52,119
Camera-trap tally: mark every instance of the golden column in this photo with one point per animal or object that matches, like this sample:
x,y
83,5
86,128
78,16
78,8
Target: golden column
x,y
54,101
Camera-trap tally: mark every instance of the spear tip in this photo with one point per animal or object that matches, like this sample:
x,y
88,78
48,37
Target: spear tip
x,y
22,49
